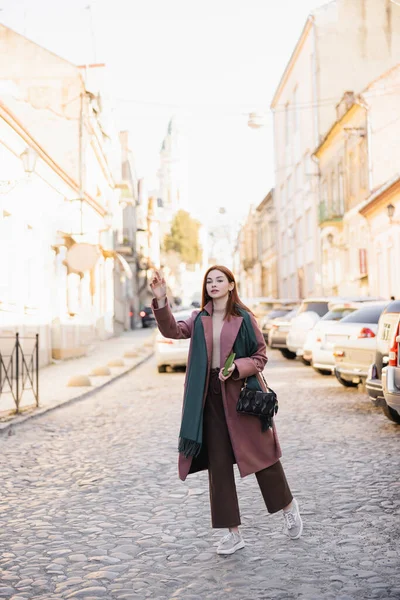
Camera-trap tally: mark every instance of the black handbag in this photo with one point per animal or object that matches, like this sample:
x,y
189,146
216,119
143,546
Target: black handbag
x,y
262,404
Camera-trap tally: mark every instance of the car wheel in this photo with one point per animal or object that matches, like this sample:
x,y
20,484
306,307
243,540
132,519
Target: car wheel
x,y
324,371
162,368
345,382
391,414
287,354
305,362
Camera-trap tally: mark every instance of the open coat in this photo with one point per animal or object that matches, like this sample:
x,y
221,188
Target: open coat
x,y
254,450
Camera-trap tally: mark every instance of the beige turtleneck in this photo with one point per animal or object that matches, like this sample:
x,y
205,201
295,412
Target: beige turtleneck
x,y
217,322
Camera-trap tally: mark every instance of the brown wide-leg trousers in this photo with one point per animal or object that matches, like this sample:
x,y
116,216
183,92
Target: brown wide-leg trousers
x,y
223,497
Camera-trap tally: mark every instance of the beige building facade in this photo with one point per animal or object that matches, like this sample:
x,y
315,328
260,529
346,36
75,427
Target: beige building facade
x,y
363,36
358,167
267,263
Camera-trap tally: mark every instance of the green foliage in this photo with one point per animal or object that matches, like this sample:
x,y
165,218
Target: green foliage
x,y
184,238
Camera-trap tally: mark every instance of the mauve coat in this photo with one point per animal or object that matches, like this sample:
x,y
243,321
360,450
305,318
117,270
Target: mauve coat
x,y
254,450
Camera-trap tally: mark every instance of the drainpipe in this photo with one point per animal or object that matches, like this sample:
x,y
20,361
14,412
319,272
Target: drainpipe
x,y
361,102
319,246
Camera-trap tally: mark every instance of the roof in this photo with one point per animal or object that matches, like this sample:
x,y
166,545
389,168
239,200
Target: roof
x,y
303,36
376,196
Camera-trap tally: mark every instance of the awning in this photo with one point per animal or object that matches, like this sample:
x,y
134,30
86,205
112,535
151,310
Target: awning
x,y
125,265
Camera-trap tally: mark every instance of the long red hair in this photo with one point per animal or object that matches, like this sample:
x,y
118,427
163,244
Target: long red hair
x,y
233,302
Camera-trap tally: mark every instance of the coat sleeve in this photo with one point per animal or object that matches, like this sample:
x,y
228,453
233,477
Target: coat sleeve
x,y
255,363
169,327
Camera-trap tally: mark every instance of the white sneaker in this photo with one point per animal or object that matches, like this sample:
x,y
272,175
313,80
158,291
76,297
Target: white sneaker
x,y
293,521
230,543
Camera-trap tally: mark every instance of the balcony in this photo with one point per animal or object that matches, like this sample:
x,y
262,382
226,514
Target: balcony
x,y
248,263
328,214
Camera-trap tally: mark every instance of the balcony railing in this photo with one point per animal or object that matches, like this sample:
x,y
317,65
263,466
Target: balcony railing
x,y
329,213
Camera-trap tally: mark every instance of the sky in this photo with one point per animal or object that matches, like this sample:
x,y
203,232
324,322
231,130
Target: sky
x,y
208,63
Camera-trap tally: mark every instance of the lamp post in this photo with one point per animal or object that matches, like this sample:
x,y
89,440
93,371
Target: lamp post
x,y
390,209
29,158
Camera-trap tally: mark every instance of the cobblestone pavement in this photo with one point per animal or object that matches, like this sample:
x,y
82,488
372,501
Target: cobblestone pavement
x,y
91,506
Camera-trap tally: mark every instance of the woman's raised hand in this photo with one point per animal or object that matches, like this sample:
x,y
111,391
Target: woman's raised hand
x,y
158,285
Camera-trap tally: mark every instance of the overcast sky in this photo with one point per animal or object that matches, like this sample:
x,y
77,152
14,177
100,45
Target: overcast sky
x,y
211,61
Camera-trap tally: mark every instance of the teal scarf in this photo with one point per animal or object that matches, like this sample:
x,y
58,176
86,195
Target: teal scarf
x,y
191,432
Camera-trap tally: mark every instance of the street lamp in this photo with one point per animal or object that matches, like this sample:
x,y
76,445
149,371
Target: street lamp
x,y
28,158
256,120
390,213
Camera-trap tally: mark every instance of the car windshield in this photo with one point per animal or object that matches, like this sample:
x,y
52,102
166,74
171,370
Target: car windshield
x,y
368,314
278,313
337,314
321,308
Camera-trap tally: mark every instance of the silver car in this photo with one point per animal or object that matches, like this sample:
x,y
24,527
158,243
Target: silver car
x,y
391,380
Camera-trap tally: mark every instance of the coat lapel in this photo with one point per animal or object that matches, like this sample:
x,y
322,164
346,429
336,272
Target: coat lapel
x,y
208,330
208,334
230,329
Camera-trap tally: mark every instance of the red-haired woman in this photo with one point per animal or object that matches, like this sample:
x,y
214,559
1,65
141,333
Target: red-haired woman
x,y
213,435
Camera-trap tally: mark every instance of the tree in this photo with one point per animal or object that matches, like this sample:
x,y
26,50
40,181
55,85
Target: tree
x,y
184,238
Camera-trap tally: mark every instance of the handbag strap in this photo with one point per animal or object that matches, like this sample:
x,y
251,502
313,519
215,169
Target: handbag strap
x,y
263,378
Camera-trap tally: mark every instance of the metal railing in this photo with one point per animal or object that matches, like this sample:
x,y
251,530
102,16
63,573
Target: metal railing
x,y
329,213
19,370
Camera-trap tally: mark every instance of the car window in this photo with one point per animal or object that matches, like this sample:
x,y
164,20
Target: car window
x,y
277,313
336,315
368,314
321,308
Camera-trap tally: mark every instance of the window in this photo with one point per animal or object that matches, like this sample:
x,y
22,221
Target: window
x,y
295,110
352,174
321,308
297,176
282,195
341,188
337,314
334,194
289,188
287,123
363,165
369,314
308,223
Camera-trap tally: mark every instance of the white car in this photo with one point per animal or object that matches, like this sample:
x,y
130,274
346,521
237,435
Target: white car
x,y
169,352
318,347
310,312
355,344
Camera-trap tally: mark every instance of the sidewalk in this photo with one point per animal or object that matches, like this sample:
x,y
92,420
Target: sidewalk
x,y
129,349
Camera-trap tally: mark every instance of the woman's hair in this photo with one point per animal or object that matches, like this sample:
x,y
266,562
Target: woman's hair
x,y
234,303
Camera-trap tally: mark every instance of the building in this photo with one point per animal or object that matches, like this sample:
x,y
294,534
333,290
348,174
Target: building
x,y
363,36
58,227
359,173
266,268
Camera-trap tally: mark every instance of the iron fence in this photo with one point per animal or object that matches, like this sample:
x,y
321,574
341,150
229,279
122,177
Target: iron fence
x,y
19,369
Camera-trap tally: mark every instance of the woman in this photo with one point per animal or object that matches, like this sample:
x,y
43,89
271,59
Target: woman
x,y
213,435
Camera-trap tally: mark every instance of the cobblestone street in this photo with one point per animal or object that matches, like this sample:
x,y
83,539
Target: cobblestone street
x,y
91,505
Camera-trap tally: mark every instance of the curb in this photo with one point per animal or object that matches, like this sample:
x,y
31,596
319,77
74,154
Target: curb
x,y
4,427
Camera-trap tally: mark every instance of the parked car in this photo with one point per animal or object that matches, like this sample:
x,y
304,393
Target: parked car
x,y
261,306
147,316
318,347
266,322
169,352
278,333
355,343
309,313
383,372
391,380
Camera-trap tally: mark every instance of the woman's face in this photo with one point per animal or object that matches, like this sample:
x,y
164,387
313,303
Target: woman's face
x,y
217,284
